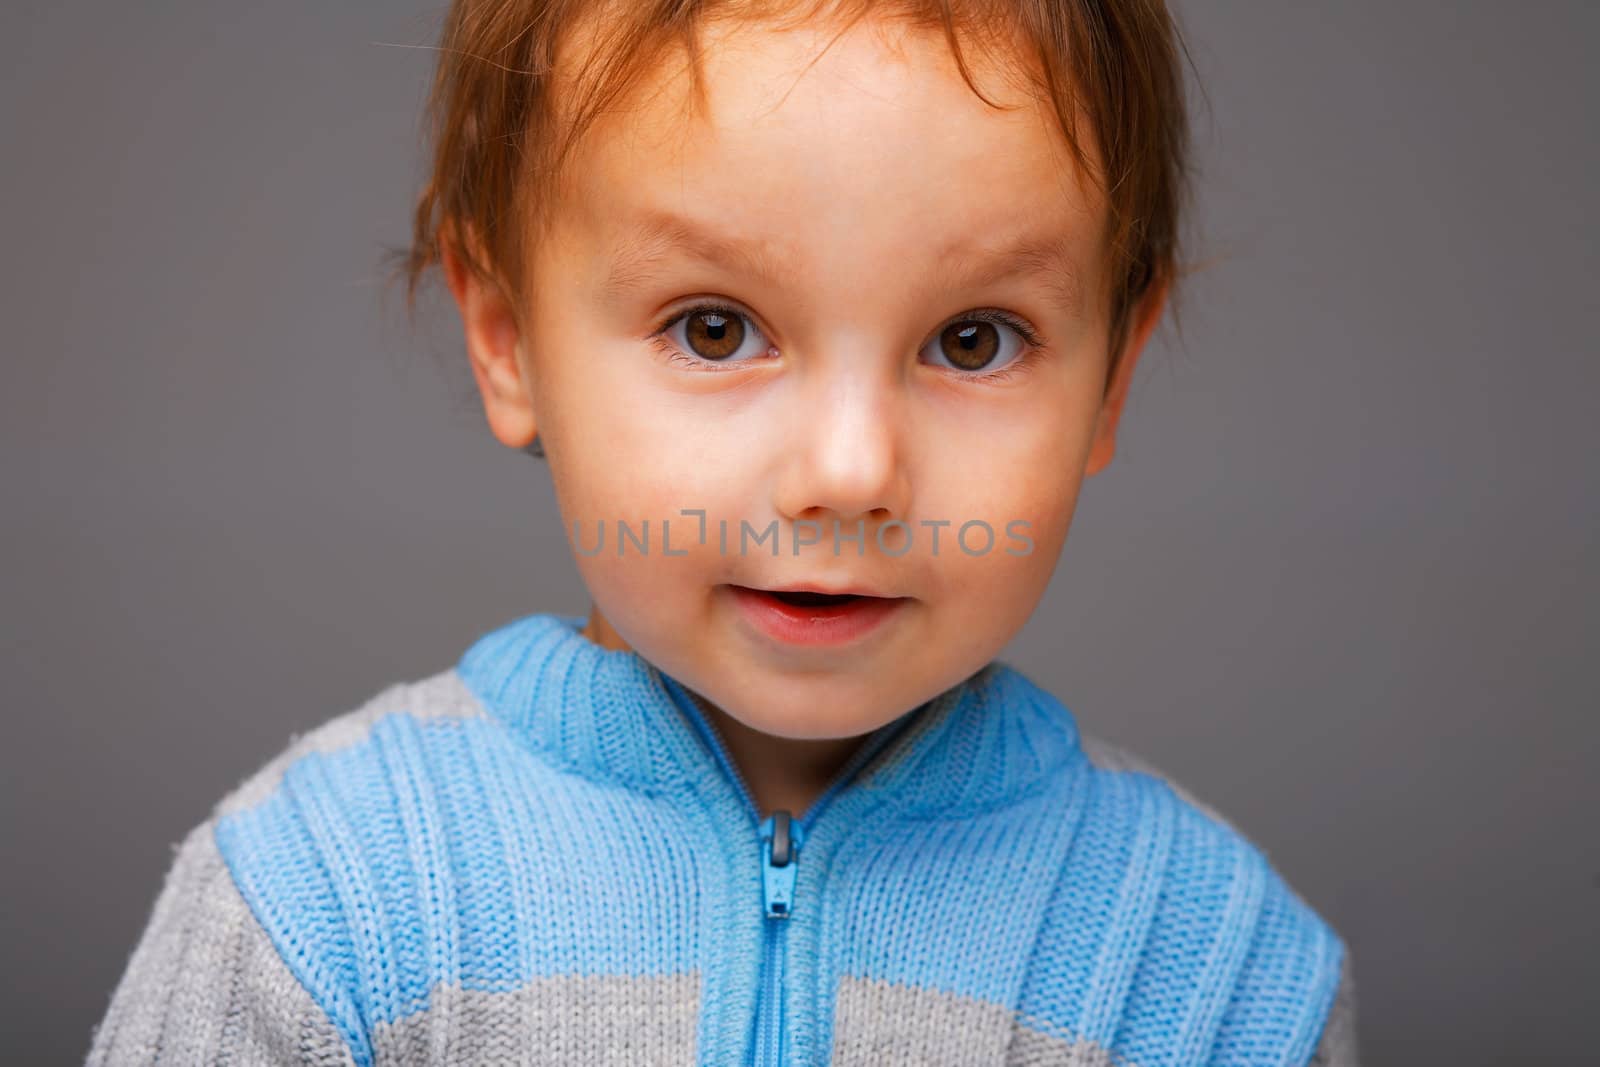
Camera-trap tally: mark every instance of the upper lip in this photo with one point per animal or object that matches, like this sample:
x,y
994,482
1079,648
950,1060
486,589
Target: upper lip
x,y
823,587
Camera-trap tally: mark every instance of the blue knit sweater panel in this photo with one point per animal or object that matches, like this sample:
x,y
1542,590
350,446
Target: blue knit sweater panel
x,y
544,855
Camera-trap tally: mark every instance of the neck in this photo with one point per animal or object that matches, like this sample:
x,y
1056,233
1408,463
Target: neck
x,y
781,772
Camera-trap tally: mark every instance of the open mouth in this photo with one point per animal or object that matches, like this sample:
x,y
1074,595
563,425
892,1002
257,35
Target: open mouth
x,y
808,599
807,617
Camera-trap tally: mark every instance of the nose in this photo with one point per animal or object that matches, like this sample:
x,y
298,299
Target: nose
x,y
844,458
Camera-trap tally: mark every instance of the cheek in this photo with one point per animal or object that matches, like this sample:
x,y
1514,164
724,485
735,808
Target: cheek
x,y
1027,466
1025,486
636,445
603,438
623,460
1027,524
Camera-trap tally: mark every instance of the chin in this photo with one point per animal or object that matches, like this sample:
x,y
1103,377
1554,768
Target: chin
x,y
825,719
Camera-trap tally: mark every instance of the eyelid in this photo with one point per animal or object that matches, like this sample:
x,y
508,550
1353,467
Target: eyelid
x,y
709,304
1004,318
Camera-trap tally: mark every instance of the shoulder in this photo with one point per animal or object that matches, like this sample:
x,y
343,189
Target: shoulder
x,y
206,984
439,699
275,905
314,818
1108,758
335,843
369,782
1172,930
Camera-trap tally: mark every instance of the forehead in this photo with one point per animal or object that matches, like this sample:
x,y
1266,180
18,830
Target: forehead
x,y
815,143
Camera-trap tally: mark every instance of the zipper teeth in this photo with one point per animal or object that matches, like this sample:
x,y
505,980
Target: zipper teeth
x,y
770,1047
769,1026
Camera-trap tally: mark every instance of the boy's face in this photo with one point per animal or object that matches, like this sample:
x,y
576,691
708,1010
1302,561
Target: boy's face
x,y
865,368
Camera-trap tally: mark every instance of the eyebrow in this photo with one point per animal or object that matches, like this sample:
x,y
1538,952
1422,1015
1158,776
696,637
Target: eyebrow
x,y
659,235
1047,257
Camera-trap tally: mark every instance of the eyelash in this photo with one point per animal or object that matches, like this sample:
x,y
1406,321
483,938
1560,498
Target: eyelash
x,y
1031,341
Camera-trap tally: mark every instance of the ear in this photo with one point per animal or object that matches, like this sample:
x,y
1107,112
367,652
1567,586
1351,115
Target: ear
x,y
494,348
1146,315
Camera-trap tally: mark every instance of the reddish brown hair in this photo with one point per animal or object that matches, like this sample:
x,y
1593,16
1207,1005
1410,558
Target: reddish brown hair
x,y
499,140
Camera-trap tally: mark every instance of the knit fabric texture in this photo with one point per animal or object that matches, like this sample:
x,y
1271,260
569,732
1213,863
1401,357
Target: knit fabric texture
x,y
543,855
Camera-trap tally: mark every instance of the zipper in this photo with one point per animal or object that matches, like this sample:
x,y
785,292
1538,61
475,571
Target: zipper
x,y
780,853
780,836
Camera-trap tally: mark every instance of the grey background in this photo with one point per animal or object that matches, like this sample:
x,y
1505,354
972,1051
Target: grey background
x,y
1340,581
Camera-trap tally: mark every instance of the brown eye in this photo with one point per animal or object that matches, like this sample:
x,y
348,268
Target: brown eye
x,y
969,345
983,343
713,334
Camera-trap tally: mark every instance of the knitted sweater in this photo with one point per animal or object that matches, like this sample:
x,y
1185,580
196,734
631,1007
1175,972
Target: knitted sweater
x,y
543,855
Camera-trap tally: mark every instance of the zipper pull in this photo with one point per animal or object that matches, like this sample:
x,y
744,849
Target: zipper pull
x,y
780,854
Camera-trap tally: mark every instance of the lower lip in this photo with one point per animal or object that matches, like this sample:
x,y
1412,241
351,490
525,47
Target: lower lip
x,y
796,624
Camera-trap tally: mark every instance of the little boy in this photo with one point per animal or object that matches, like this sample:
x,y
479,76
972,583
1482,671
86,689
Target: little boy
x,y
820,314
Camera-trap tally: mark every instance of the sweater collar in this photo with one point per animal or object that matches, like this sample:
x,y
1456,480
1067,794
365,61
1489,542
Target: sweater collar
x,y
612,715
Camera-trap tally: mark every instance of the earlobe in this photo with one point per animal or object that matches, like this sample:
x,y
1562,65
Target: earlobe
x,y
495,351
1105,432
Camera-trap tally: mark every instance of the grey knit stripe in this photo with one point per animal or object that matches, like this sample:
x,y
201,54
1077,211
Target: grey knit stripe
x,y
205,984
1337,1047
1030,1048
439,696
882,1024
600,1020
1111,757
